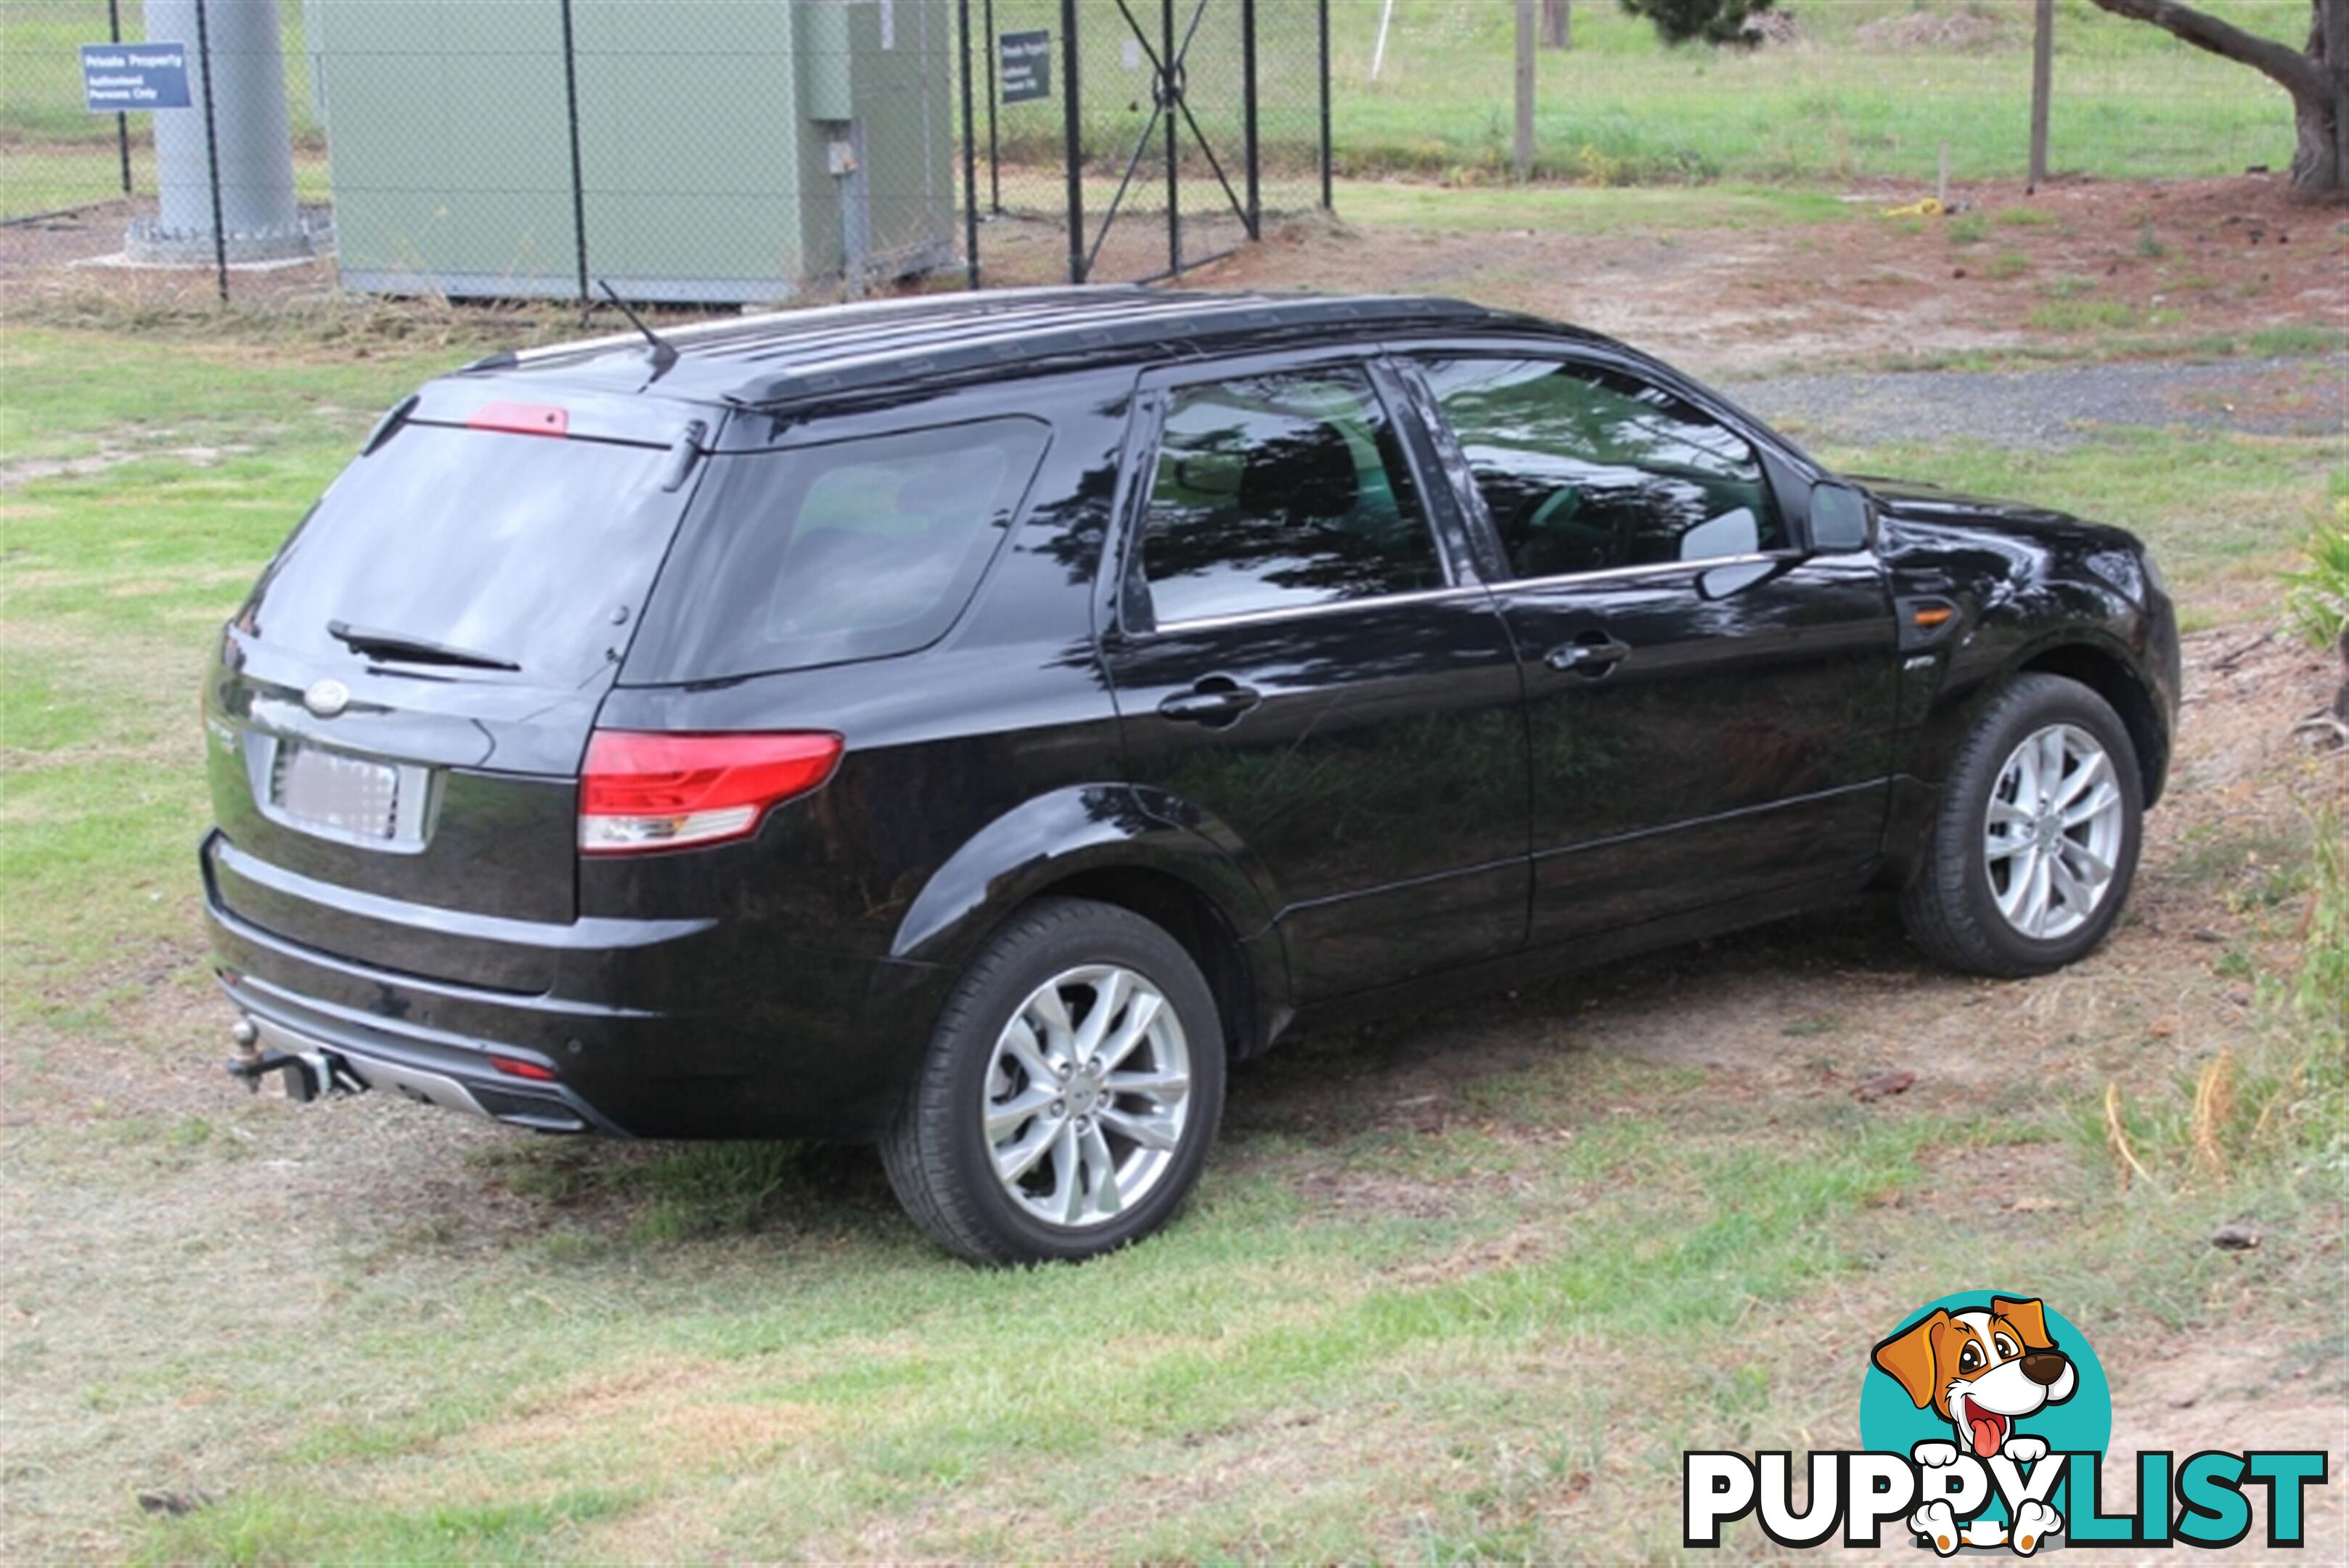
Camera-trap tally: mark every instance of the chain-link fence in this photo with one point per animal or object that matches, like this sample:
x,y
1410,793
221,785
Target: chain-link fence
x,y
1135,137
56,156
1826,91
706,151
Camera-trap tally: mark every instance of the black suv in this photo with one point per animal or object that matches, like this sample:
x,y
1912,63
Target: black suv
x,y
970,723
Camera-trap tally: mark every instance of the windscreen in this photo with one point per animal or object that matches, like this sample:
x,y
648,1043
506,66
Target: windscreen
x,y
822,554
515,549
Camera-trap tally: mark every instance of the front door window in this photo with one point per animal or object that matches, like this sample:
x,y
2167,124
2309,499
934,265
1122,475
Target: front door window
x,y
1584,469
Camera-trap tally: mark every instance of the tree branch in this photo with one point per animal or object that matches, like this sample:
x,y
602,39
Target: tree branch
x,y
2294,71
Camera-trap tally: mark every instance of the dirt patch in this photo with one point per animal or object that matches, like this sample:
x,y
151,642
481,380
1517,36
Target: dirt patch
x,y
2079,264
677,1414
1939,32
15,475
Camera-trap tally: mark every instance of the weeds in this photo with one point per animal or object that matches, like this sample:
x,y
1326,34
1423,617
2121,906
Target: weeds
x,y
2282,1105
2316,596
2288,341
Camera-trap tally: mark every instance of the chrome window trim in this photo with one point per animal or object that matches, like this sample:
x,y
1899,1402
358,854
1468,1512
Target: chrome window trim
x,y
1326,606
1649,568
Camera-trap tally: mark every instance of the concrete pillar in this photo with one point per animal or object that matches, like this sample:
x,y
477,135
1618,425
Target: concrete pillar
x,y
256,145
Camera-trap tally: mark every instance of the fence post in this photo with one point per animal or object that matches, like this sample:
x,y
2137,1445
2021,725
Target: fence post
x,y
1248,115
969,158
1072,133
1323,23
211,151
2042,74
121,122
1170,96
994,143
578,183
1522,160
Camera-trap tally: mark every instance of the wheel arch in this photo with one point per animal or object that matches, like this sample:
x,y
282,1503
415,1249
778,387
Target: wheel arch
x,y
1101,842
2109,675
2075,654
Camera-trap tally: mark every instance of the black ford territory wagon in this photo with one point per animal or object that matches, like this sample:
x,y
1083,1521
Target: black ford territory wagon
x,y
971,723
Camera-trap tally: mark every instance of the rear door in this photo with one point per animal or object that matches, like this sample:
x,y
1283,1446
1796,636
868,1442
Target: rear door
x,y
1710,702
1298,659
397,713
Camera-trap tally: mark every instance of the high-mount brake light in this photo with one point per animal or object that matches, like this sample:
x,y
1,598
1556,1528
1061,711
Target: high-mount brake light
x,y
521,418
644,791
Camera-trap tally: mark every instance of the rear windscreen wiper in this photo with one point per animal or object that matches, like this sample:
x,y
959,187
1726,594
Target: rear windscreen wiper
x,y
409,650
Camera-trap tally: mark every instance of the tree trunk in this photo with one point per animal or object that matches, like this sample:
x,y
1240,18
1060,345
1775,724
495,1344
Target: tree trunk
x,y
1558,24
2320,161
2317,79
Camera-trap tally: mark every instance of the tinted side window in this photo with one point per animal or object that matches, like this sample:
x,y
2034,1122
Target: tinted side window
x,y
1273,492
1584,469
855,549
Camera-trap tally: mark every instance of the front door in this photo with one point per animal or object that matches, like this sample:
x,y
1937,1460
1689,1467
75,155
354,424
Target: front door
x,y
1301,670
1711,706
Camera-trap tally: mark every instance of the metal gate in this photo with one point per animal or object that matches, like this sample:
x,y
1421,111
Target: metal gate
x,y
1131,140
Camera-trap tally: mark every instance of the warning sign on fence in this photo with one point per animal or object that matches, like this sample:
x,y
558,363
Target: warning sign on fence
x,y
127,79
1027,67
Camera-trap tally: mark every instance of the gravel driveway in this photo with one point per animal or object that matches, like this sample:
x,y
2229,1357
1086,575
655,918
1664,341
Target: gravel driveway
x,y
2059,407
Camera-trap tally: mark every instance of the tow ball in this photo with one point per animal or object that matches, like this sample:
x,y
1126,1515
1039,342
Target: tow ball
x,y
307,1076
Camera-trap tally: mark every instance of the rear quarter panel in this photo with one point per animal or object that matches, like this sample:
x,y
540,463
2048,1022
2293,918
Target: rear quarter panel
x,y
1010,706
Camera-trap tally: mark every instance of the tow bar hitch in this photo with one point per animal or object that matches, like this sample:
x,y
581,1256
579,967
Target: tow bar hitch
x,y
307,1075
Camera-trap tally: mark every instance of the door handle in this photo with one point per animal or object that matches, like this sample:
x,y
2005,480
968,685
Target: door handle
x,y
1591,655
1215,703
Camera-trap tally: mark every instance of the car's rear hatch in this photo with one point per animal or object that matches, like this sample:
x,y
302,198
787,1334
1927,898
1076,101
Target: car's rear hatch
x,y
397,717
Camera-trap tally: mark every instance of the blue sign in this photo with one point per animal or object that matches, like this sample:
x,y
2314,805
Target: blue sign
x,y
129,78
1027,63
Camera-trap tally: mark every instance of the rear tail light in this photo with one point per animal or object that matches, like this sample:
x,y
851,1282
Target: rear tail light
x,y
643,792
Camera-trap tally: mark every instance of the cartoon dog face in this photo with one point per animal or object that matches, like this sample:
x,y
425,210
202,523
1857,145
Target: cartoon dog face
x,y
1981,1371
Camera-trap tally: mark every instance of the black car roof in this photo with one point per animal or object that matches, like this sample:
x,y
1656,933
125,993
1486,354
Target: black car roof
x,y
765,360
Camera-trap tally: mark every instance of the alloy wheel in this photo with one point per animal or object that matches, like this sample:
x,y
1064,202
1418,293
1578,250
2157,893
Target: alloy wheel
x,y
1087,1096
2052,835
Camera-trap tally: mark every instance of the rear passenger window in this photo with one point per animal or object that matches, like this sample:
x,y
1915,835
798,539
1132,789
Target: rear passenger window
x,y
855,549
1277,492
1584,469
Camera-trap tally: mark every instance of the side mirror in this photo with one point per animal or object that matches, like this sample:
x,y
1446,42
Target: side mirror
x,y
1841,519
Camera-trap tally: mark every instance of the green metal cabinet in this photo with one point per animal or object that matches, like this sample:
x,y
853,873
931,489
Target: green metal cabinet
x,y
728,149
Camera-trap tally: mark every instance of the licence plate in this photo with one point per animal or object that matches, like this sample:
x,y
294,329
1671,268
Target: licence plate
x,y
343,795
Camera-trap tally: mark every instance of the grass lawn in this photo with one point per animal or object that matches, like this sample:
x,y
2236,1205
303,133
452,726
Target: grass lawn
x,y
1458,1288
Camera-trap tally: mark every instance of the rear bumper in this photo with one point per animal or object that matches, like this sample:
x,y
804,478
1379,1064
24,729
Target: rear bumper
x,y
336,1057
680,1030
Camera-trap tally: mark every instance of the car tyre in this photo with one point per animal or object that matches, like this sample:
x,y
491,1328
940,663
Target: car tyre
x,y
2021,876
1083,1041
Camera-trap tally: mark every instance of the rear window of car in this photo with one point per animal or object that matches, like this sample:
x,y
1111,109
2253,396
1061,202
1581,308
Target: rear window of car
x,y
527,551
845,550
